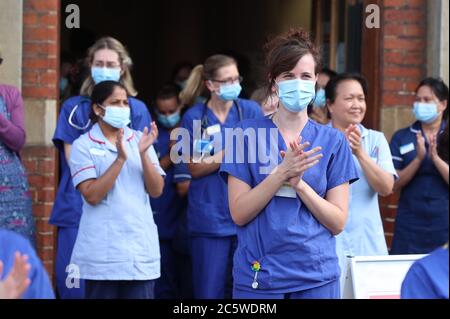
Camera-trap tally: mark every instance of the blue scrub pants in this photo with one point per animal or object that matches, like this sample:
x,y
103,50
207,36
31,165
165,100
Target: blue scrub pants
x,y
120,289
328,291
176,271
212,261
66,241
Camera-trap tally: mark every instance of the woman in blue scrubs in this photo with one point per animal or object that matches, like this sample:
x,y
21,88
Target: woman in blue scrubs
x,y
108,60
428,277
290,206
115,169
170,208
209,222
421,223
363,234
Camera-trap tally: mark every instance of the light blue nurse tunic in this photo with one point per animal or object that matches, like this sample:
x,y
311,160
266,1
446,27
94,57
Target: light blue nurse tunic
x,y
363,234
117,238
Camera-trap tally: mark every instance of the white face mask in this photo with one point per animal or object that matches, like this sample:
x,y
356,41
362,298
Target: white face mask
x,y
116,116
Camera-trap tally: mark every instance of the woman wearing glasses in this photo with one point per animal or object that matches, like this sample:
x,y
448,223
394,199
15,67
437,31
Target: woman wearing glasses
x,y
213,233
108,60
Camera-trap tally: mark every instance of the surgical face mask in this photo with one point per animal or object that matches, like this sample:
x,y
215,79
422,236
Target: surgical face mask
x,y
117,117
229,92
320,100
63,82
425,112
296,94
169,121
105,74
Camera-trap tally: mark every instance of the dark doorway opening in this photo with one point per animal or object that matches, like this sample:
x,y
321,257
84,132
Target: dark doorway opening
x,y
160,34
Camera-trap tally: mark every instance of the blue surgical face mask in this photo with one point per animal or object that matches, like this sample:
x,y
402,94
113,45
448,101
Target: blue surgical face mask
x,y
425,112
169,121
230,92
117,117
320,101
295,95
105,74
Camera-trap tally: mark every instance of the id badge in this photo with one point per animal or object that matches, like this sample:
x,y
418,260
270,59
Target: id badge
x,y
286,191
97,151
213,129
407,148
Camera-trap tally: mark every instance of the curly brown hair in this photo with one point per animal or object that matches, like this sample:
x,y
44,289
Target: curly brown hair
x,y
285,50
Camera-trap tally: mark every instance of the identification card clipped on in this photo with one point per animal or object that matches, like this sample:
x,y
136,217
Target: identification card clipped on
x,y
213,129
407,148
97,151
286,191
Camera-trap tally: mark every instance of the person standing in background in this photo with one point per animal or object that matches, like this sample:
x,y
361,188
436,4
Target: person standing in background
x,y
107,59
421,223
15,201
319,112
363,234
170,208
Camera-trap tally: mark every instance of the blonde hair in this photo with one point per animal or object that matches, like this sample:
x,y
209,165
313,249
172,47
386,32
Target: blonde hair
x,y
125,62
201,73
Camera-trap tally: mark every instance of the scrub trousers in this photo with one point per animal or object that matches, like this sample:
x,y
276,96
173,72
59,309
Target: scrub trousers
x,y
176,271
328,291
67,288
212,263
120,289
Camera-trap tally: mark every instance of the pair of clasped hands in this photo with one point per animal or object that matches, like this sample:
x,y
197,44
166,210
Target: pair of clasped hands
x,y
147,139
296,161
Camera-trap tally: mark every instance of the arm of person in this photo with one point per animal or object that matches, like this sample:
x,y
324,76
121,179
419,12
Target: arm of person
x,y
182,188
67,148
94,188
154,182
12,133
438,162
246,202
442,168
330,211
165,162
207,166
381,181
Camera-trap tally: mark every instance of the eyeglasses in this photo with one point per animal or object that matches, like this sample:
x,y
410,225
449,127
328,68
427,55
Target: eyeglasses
x,y
109,65
229,81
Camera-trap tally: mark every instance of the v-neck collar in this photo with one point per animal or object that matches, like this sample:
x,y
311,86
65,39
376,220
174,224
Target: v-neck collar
x,y
96,135
282,143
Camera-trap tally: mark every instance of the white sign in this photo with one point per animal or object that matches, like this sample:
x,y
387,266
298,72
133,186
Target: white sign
x,y
376,277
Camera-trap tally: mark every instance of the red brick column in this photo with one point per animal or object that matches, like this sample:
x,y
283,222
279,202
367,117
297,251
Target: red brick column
x,y
404,29
39,86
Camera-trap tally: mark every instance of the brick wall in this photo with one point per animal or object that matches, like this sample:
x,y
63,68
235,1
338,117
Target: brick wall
x,y
40,86
404,29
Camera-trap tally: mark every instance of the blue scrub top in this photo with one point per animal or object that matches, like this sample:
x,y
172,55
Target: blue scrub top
x,y
169,209
40,286
294,250
208,213
67,207
428,277
421,223
117,238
